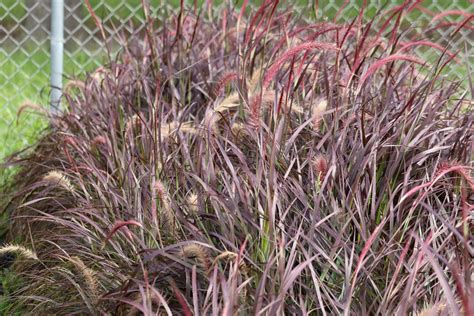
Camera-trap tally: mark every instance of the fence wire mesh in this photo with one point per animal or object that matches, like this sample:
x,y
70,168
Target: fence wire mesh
x,y
24,44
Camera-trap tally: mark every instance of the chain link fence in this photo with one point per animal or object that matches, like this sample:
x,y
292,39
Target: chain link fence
x,y
24,44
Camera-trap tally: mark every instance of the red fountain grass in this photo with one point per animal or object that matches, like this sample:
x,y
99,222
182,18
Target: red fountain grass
x,y
154,193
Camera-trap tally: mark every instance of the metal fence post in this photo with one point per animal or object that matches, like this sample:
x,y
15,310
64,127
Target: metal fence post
x,y
57,46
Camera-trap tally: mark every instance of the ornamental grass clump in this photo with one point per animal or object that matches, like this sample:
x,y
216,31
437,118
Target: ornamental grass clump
x,y
252,163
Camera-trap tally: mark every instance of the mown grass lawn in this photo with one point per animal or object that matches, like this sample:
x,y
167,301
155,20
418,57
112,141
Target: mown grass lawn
x,y
16,88
24,78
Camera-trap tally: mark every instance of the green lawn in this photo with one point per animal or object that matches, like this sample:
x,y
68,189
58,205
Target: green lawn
x,y
24,74
25,78
19,84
